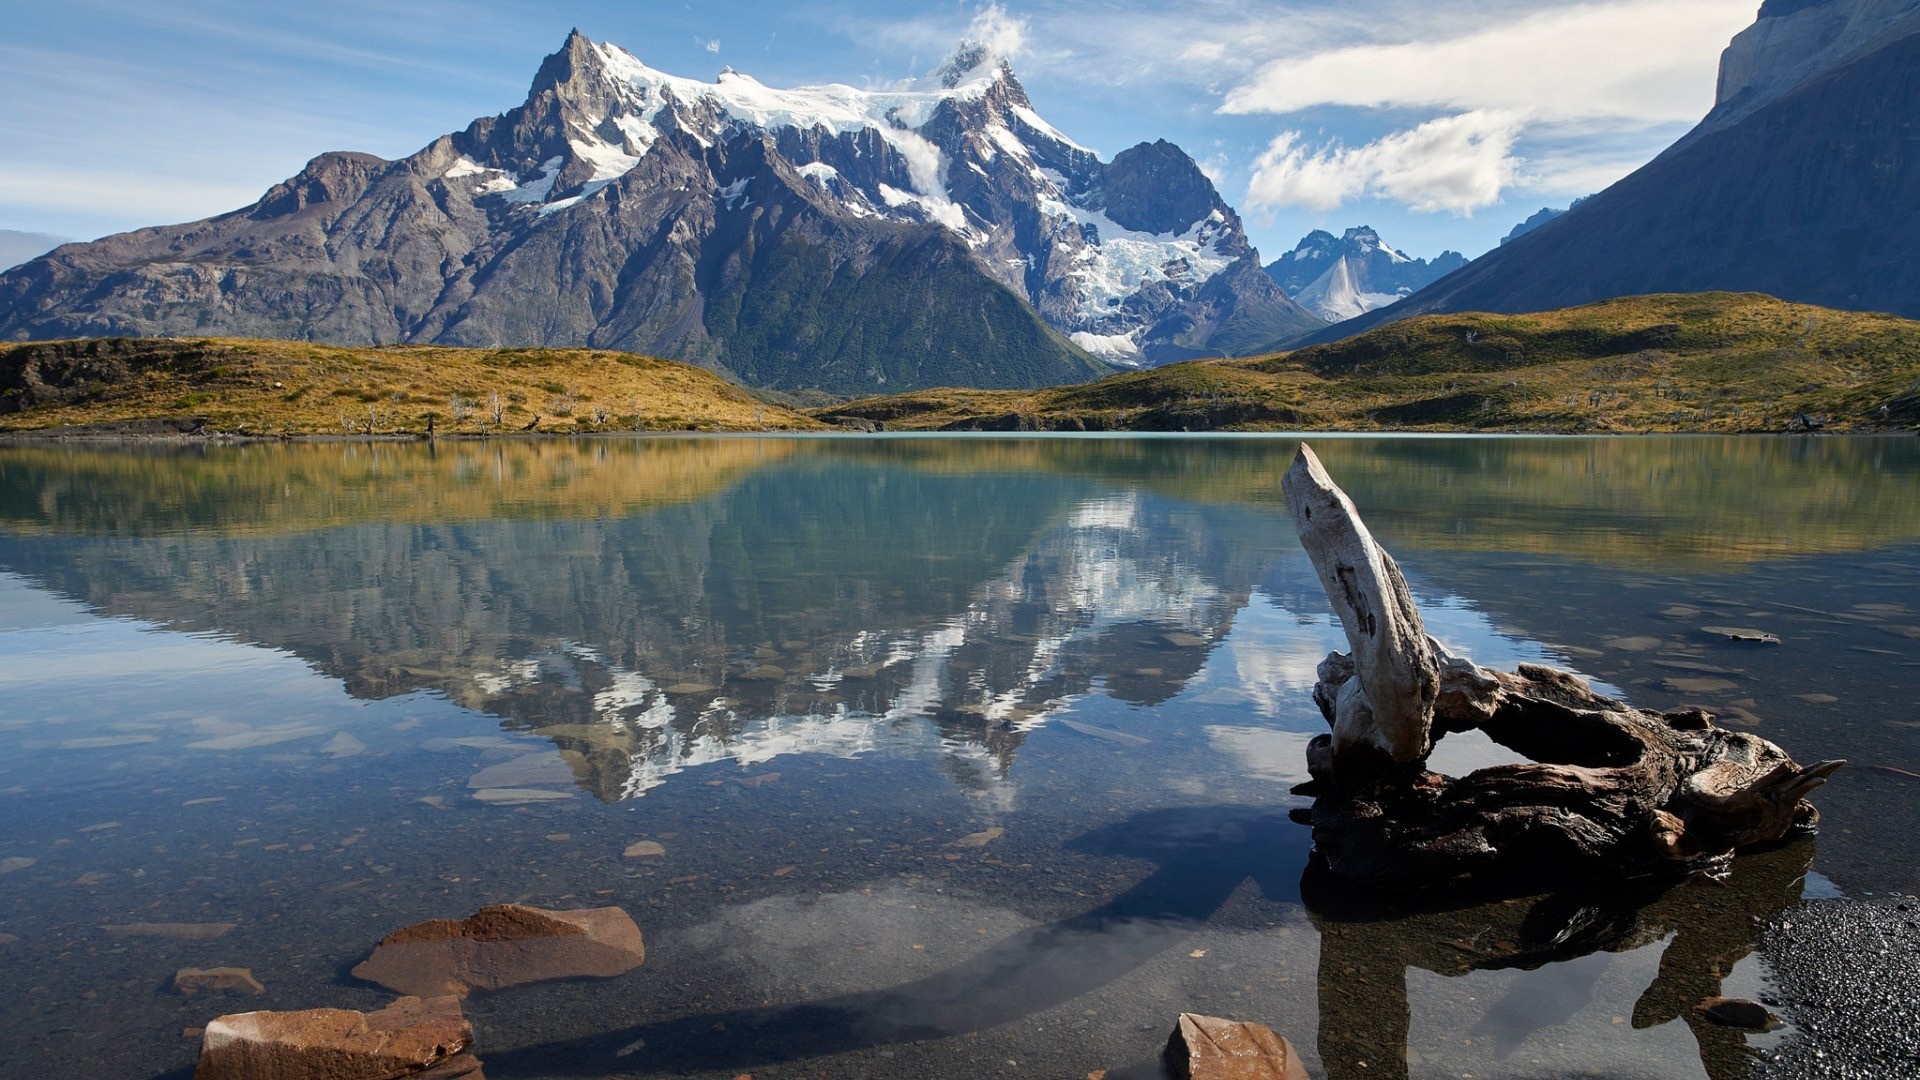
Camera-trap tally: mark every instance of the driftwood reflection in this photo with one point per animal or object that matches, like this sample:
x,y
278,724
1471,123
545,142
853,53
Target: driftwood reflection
x,y
1369,940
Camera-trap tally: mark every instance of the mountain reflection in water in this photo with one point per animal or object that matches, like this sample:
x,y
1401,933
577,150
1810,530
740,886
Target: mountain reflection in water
x,y
817,671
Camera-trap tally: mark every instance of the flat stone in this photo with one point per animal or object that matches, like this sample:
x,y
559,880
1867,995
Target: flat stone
x,y
1633,644
525,771
1180,639
1740,1013
15,862
519,796
1818,699
765,673
691,688
980,839
410,1037
1742,633
102,742
250,740
177,931
477,742
8,939
1210,1048
1110,735
645,849
505,945
1697,686
344,745
227,980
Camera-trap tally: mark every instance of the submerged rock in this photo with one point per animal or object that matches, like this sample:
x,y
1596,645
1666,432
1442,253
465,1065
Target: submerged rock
x,y
409,1038
505,945
1210,1048
519,796
15,862
1740,1013
232,980
178,931
1742,633
525,771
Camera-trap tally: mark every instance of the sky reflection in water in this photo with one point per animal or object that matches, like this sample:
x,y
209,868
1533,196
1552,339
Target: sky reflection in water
x,y
808,669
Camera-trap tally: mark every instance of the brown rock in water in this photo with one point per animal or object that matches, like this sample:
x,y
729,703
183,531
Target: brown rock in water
x,y
505,945
1740,1013
1210,1048
411,1038
233,980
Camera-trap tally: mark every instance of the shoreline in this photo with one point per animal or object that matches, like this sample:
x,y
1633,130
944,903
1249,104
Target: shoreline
x,y
170,433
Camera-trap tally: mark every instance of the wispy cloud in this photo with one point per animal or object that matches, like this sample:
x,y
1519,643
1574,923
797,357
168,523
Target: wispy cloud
x,y
1638,60
712,45
1456,163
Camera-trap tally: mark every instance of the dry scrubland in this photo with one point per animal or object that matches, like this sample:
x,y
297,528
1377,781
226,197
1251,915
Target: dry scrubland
x,y
1709,362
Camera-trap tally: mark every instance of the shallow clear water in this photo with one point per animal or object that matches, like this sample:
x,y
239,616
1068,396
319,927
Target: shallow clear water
x,y
284,687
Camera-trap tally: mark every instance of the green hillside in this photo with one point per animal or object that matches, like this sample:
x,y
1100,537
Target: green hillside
x,y
1708,362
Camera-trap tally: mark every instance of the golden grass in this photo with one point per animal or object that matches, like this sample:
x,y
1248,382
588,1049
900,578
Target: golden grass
x,y
297,388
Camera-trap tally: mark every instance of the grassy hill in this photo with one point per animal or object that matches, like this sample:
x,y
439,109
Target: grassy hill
x,y
1708,362
296,388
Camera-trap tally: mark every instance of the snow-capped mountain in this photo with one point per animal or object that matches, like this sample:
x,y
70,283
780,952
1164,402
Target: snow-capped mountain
x,y
1344,277
825,236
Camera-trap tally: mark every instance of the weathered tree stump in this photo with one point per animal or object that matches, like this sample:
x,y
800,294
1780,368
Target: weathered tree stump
x,y
1610,791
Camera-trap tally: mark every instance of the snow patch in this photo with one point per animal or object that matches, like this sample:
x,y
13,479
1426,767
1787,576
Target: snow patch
x,y
735,192
1113,348
1338,295
536,190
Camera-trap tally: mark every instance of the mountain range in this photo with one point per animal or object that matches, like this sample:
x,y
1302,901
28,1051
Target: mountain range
x,y
828,238
1802,183
1339,278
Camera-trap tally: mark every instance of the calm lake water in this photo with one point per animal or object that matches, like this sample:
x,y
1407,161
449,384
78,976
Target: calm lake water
x,y
970,757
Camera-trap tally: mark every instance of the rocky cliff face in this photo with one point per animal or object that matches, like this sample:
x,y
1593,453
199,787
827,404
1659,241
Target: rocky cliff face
x,y
1348,276
821,237
1793,40
1803,183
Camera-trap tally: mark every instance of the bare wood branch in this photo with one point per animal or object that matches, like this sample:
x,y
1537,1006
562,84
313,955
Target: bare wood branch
x,y
1389,706
1610,790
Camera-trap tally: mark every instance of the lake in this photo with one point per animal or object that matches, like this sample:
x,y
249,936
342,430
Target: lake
x,y
965,757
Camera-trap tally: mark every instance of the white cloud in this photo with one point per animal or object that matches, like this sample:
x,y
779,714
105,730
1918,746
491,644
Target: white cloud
x,y
1003,34
712,45
1456,163
1645,60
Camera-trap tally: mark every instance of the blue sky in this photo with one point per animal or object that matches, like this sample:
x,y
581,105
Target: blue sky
x,y
1438,122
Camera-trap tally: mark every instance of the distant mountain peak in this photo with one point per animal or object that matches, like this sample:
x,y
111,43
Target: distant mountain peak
x,y
1342,277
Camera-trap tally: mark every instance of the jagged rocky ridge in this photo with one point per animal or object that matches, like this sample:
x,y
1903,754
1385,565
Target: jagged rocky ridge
x,y
1803,182
821,237
1344,277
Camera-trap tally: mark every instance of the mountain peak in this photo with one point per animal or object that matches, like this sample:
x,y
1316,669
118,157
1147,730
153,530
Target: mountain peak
x,y
972,62
1342,278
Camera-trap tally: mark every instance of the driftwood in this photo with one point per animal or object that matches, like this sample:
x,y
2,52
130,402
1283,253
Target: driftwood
x,y
1610,791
